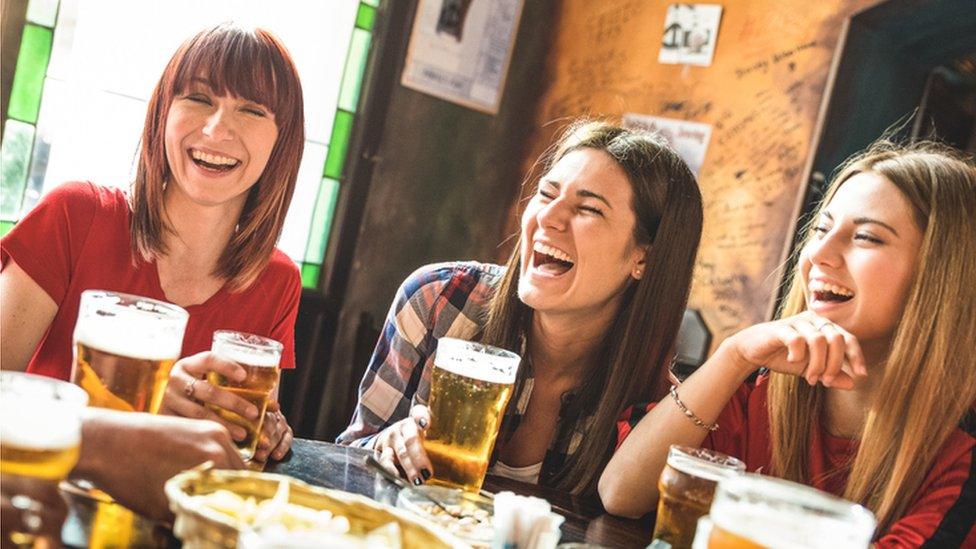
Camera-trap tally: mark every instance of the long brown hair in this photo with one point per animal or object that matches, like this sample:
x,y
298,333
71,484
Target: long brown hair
x,y
254,65
639,343
927,384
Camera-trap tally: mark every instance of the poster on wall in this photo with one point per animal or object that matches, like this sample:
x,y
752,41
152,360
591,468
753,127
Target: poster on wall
x,y
690,34
460,50
688,139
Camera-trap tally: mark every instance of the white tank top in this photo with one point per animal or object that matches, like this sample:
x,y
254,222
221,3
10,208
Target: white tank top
x,y
529,473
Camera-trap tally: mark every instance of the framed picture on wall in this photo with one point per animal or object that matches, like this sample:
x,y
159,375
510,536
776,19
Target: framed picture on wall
x,y
460,50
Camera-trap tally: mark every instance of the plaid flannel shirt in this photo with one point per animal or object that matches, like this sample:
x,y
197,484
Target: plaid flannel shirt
x,y
445,299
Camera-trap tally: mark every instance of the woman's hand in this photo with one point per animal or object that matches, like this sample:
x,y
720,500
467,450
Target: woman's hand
x,y
188,391
276,435
401,445
804,345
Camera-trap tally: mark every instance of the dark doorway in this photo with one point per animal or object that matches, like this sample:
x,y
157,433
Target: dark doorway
x,y
904,66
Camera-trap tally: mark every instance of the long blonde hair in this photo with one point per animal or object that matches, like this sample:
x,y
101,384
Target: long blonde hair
x,y
928,383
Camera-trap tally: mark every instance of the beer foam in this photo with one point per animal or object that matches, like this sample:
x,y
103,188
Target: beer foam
x,y
247,357
772,527
778,513
699,468
477,361
39,424
130,333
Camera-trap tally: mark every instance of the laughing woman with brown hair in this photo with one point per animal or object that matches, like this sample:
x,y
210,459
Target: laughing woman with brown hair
x,y
871,380
220,152
591,299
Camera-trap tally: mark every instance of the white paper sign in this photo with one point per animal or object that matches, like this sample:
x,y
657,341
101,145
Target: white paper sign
x,y
688,139
690,34
460,50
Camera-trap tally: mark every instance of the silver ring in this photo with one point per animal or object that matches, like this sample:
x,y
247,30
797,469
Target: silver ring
x,y
188,390
30,512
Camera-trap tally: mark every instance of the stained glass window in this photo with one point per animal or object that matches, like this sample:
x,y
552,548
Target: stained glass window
x,y
86,68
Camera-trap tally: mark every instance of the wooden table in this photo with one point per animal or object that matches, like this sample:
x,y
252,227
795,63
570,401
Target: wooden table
x,y
343,468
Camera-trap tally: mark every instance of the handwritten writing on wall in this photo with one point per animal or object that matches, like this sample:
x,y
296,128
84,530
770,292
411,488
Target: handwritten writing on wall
x,y
762,96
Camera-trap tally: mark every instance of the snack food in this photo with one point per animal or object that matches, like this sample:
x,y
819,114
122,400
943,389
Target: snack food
x,y
475,525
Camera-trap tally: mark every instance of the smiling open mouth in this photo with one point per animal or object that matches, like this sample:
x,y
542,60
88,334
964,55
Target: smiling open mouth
x,y
550,260
213,162
830,293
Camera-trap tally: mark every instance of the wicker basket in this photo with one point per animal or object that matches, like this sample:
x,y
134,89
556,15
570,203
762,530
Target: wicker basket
x,y
200,527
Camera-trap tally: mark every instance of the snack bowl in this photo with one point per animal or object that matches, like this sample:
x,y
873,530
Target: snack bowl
x,y
475,528
201,525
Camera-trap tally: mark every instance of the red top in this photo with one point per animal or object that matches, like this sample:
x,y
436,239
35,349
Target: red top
x,y
941,513
77,238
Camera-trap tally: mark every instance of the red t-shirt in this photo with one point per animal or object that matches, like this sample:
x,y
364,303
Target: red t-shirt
x,y
941,513
77,238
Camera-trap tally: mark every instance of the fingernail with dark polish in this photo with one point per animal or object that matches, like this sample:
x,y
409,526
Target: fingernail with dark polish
x,y
423,423
425,473
417,481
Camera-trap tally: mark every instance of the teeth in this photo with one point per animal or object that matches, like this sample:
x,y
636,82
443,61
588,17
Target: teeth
x,y
819,286
554,252
213,158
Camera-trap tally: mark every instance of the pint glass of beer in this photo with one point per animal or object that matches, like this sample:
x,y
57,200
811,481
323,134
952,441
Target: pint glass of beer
x,y
125,346
755,511
259,356
40,433
40,426
469,389
686,488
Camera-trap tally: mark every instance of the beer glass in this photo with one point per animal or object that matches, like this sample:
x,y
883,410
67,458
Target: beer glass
x,y
686,488
125,346
40,434
40,428
259,356
469,389
754,511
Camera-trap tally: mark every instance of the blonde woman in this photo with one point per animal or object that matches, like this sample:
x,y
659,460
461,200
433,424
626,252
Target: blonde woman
x,y
871,379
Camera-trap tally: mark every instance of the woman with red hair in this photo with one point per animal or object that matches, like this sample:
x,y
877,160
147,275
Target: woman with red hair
x,y
217,167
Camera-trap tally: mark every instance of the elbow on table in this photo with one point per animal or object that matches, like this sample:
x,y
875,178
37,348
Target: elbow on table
x,y
617,499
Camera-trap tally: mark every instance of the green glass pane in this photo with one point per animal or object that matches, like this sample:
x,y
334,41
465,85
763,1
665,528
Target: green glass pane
x,y
318,235
15,155
338,145
366,16
373,3
5,227
42,12
25,94
352,74
310,275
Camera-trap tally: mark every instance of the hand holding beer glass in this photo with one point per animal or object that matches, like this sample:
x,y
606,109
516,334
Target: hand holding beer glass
x,y
470,387
259,357
752,511
686,488
40,440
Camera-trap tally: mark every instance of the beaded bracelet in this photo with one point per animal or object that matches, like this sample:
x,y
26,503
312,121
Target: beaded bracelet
x,y
689,414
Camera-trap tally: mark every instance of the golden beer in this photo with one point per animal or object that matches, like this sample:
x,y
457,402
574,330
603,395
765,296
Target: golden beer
x,y
259,356
121,382
753,511
125,347
469,390
686,488
40,433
